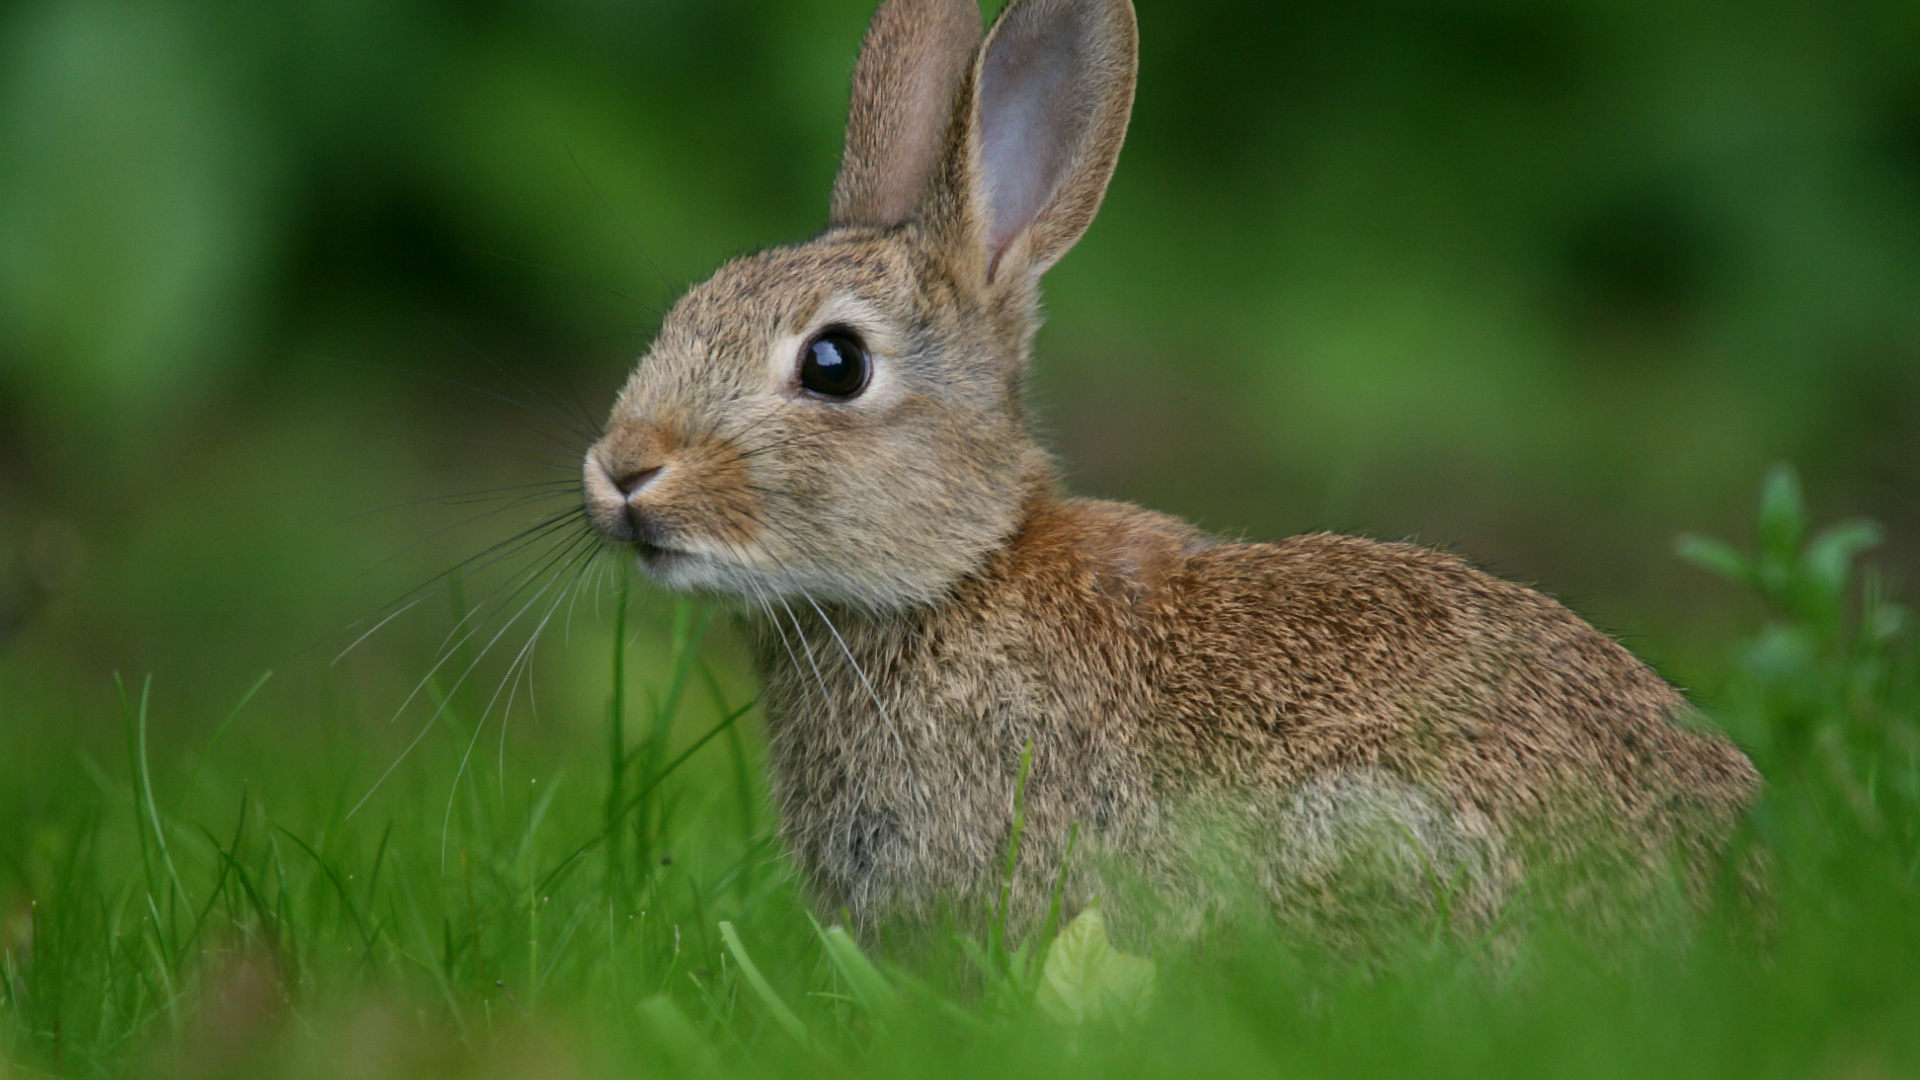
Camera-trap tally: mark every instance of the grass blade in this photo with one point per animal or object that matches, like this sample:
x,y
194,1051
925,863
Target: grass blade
x,y
224,724
749,971
875,995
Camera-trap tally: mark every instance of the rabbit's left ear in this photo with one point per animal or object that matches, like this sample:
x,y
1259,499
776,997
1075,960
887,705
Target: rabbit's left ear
x,y
916,55
1051,96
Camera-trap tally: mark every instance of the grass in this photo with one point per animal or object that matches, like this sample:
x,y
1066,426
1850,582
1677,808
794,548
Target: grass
x,y
608,899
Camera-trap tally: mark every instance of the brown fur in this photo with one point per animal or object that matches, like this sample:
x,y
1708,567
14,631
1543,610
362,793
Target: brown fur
x,y
1343,726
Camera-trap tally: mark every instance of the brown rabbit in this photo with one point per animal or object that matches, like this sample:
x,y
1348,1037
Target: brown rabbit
x,y
835,434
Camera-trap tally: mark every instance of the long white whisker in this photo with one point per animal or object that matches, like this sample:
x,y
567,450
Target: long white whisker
x,y
587,575
820,680
376,628
448,700
858,670
450,645
779,629
480,724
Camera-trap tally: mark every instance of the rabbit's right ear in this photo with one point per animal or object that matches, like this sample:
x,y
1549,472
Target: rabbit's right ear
x,y
1037,130
915,57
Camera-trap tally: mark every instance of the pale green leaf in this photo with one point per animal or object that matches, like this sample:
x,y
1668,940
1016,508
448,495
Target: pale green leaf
x,y
1086,980
1830,554
1716,557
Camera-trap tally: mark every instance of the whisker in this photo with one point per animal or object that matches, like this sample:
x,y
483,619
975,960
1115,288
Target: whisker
x,y
581,278
540,488
635,240
444,379
767,448
448,698
593,567
478,615
826,695
512,587
779,629
506,549
555,415
560,455
480,723
858,670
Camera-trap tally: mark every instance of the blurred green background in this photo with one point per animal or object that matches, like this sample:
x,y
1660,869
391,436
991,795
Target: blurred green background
x,y
297,297
1543,282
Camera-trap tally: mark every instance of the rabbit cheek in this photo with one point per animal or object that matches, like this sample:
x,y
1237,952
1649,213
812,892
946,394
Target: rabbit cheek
x,y
713,500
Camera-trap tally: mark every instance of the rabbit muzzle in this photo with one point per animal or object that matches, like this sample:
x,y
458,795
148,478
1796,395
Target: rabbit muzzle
x,y
611,493
683,505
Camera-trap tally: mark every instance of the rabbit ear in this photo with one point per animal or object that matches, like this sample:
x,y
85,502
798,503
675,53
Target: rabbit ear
x,y
1052,92
915,57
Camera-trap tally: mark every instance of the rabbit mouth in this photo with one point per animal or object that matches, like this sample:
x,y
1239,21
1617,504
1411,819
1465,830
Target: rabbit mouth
x,y
655,554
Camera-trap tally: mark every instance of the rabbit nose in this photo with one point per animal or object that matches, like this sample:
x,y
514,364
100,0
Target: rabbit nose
x,y
631,482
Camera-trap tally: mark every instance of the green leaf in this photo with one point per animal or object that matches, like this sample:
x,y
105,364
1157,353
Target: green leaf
x,y
1782,654
1883,621
1716,557
1783,516
1830,555
1085,979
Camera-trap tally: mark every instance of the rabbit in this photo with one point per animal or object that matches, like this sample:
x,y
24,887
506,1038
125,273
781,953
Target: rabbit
x,y
833,437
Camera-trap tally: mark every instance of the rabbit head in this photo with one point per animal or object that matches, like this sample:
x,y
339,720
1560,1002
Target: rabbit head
x,y
843,419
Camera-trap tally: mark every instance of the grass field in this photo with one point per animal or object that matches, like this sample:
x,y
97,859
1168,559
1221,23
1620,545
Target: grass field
x,y
600,893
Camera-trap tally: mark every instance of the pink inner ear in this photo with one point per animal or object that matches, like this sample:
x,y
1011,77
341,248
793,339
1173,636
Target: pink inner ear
x,y
1029,121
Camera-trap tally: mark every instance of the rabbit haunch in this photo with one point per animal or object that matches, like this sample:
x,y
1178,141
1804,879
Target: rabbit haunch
x,y
1340,725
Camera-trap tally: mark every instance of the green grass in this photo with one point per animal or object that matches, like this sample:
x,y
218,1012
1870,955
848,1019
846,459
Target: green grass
x,y
604,896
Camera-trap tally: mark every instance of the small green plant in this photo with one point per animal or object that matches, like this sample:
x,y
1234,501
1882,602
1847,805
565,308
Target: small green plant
x,y
1014,974
1813,686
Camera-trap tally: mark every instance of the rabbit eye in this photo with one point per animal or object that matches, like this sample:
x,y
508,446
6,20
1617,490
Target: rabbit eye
x,y
834,365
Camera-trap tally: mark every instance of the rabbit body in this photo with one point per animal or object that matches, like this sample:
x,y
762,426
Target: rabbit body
x,y
834,435
1221,714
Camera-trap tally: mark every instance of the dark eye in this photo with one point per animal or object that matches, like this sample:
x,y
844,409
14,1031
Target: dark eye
x,y
834,364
